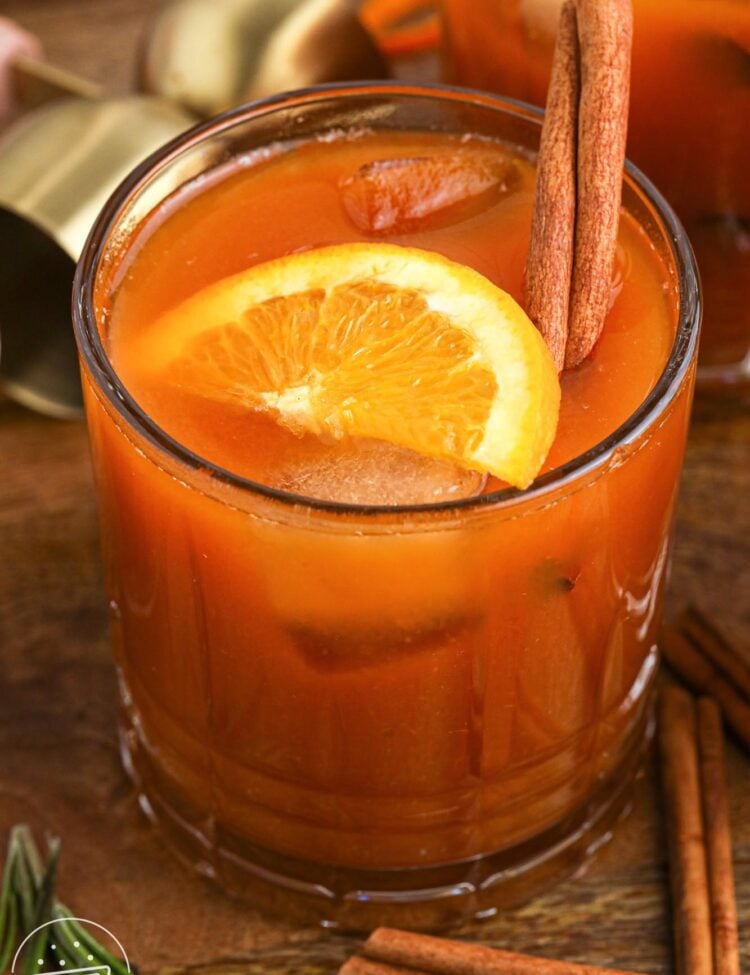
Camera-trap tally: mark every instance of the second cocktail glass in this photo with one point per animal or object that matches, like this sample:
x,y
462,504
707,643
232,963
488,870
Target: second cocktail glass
x,y
690,102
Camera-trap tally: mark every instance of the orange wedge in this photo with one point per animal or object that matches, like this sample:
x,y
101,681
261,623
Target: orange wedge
x,y
371,340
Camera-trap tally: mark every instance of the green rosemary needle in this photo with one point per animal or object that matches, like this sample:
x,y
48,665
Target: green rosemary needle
x,y
28,904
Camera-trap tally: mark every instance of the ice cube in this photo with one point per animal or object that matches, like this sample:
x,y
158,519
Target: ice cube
x,y
397,195
363,471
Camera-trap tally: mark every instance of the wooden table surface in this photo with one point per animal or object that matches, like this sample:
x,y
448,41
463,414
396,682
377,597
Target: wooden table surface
x,y
60,770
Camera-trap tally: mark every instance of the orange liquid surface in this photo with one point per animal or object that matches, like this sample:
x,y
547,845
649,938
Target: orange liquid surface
x,y
296,203
690,102
368,693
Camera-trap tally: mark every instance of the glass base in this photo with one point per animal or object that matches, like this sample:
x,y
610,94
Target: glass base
x,y
308,892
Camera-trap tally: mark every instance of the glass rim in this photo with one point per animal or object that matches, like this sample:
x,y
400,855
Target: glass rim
x,y
597,457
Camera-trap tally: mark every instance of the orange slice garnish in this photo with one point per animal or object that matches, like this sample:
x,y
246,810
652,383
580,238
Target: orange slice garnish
x,y
370,340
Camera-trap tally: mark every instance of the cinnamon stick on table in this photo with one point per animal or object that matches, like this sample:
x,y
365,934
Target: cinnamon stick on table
x,y
391,952
704,635
357,965
718,839
697,807
579,178
687,853
703,904
695,668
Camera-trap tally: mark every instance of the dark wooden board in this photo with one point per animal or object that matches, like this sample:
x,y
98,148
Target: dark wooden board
x,y
59,767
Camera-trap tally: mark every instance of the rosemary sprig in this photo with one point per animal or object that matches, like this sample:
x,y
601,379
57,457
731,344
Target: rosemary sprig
x,y
27,900
9,920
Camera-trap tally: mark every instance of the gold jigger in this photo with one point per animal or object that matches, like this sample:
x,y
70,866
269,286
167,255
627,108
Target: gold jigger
x,y
58,165
209,55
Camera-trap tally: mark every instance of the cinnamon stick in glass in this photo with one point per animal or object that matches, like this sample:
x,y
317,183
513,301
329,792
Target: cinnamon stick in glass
x,y
549,266
579,178
605,33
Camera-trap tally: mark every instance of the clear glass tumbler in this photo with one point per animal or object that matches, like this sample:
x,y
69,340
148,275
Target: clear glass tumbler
x,y
363,714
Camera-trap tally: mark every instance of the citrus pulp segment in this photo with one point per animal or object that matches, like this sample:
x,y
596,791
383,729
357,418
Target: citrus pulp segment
x,y
371,340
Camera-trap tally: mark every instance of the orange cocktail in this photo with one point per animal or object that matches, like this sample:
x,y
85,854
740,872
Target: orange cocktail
x,y
351,675
690,102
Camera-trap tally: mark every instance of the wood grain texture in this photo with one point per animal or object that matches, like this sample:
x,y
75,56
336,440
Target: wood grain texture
x,y
59,766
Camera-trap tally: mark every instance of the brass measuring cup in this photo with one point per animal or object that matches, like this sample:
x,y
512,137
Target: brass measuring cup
x,y
60,161
58,164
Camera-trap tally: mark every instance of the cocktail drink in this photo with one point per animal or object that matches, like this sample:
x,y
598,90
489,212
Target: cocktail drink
x,y
357,681
690,101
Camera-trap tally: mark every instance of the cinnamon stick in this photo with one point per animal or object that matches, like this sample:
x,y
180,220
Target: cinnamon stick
x,y
549,266
605,31
579,178
440,956
702,632
683,807
699,672
357,965
718,839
